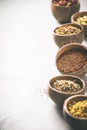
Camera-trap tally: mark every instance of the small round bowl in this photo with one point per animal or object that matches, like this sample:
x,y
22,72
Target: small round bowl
x,y
72,59
62,40
79,123
58,97
62,13
77,15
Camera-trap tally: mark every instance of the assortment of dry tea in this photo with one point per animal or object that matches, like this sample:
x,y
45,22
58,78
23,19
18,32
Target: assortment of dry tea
x,y
71,61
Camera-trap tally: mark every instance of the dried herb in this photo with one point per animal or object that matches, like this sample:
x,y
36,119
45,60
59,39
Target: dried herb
x,y
71,61
67,30
66,86
78,109
82,20
65,2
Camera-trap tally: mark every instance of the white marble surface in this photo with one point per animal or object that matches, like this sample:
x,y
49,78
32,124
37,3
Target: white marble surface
x,y
27,62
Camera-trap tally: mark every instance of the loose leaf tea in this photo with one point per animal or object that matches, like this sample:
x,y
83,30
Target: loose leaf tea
x,y
71,61
66,86
78,109
67,30
65,2
82,20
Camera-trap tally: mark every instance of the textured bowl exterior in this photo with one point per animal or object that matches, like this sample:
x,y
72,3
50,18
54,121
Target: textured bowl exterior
x,y
79,14
63,14
59,97
62,40
80,124
71,46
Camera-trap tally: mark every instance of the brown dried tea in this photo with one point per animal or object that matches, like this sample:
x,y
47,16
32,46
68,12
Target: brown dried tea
x,y
71,61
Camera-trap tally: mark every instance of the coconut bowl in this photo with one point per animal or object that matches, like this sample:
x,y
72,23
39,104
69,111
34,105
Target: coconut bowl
x,y
57,96
63,13
72,59
73,37
76,120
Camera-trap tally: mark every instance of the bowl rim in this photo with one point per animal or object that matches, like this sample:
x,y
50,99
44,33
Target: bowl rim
x,y
66,103
56,5
67,93
72,44
67,24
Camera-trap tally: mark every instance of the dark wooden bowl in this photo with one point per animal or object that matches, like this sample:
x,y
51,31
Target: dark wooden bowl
x,y
63,14
58,97
62,40
63,50
79,14
74,122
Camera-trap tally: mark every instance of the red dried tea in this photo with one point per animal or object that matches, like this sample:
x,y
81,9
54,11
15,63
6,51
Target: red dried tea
x,y
65,2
